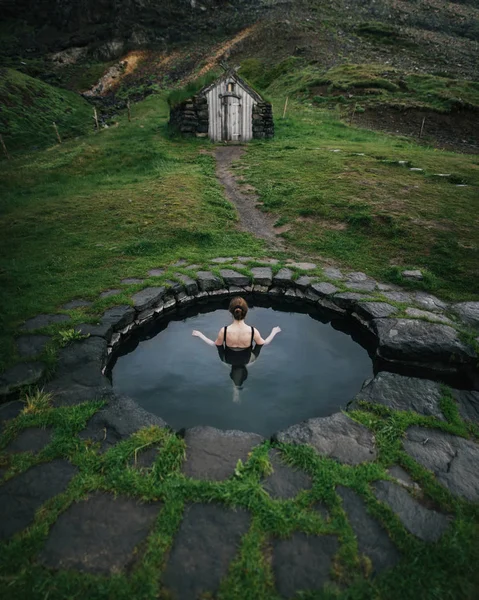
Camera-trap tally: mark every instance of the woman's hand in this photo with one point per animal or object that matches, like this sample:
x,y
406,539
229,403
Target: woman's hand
x,y
276,330
196,333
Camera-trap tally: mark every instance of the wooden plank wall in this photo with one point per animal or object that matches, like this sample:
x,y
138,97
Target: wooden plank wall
x,y
214,108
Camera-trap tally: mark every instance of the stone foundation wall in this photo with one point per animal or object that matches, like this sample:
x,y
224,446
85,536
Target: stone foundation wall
x,y
263,124
190,118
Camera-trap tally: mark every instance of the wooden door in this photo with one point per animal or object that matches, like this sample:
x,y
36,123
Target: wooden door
x,y
232,122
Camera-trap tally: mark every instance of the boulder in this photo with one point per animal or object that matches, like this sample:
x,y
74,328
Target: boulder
x,y
190,285
262,276
283,278
231,277
19,376
147,298
374,310
468,312
208,282
323,289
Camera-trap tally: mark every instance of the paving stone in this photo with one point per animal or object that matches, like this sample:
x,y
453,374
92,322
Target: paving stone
x,y
156,272
402,477
148,298
193,267
303,563
76,304
208,282
429,302
412,340
467,312
262,276
21,374
190,285
231,277
131,281
426,524
333,273
468,404
361,286
357,277
213,454
285,481
221,260
32,439
402,393
29,346
323,289
268,261
303,266
109,293
398,296
207,542
180,263
415,275
22,495
387,287
119,316
105,531
373,540
41,321
304,282
337,437
246,259
418,313
283,278
10,410
348,300
452,459
103,330
374,310
118,420
173,288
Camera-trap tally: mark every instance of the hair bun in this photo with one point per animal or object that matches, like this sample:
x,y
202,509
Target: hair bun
x,y
238,311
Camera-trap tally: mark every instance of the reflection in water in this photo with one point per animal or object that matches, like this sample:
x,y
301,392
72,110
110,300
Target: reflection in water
x,y
310,370
238,359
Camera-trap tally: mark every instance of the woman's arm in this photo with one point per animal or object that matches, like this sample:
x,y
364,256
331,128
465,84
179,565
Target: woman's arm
x,y
261,342
218,342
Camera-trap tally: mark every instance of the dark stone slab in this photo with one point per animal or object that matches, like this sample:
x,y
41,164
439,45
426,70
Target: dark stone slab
x,y
304,282
190,285
119,419
468,404
207,542
208,282
29,346
80,353
119,316
103,330
213,454
452,459
173,288
303,563
429,302
105,531
373,540
21,374
76,304
262,276
402,393
348,300
324,289
412,340
41,321
398,296
419,313
374,310
148,298
467,312
131,281
10,410
361,286
333,273
21,496
231,277
357,277
109,293
283,278
33,439
337,437
285,481
426,524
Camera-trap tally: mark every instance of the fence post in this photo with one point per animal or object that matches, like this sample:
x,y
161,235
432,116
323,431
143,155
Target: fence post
x,y
4,147
56,131
129,110
95,116
422,127
285,107
352,115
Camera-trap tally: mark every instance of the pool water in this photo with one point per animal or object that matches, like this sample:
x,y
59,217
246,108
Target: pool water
x,y
309,370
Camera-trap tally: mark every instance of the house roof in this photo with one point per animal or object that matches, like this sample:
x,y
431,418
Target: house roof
x,y
232,75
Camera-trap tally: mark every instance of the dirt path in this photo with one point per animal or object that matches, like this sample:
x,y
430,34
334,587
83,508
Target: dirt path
x,y
251,219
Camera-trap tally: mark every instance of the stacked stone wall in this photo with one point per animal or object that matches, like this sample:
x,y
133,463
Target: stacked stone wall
x,y
263,124
190,118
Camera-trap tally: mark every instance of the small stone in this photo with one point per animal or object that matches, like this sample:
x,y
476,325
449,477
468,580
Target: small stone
x,y
467,312
180,263
221,261
231,277
303,266
373,540
402,477
398,296
416,169
417,313
76,304
32,439
260,289
169,304
208,282
415,275
285,482
204,547
29,346
452,459
192,267
374,310
20,375
323,289
262,276
156,272
41,321
106,530
276,291
284,278
148,298
333,273
290,295
190,285
337,437
303,562
131,281
245,259
213,454
109,293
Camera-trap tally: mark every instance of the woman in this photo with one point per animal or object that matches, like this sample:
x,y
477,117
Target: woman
x,y
235,342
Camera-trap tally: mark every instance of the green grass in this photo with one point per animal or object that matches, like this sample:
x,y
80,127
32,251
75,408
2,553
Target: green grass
x,y
446,569
29,108
179,95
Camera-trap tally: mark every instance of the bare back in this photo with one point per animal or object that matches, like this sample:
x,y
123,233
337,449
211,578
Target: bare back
x,y
238,335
